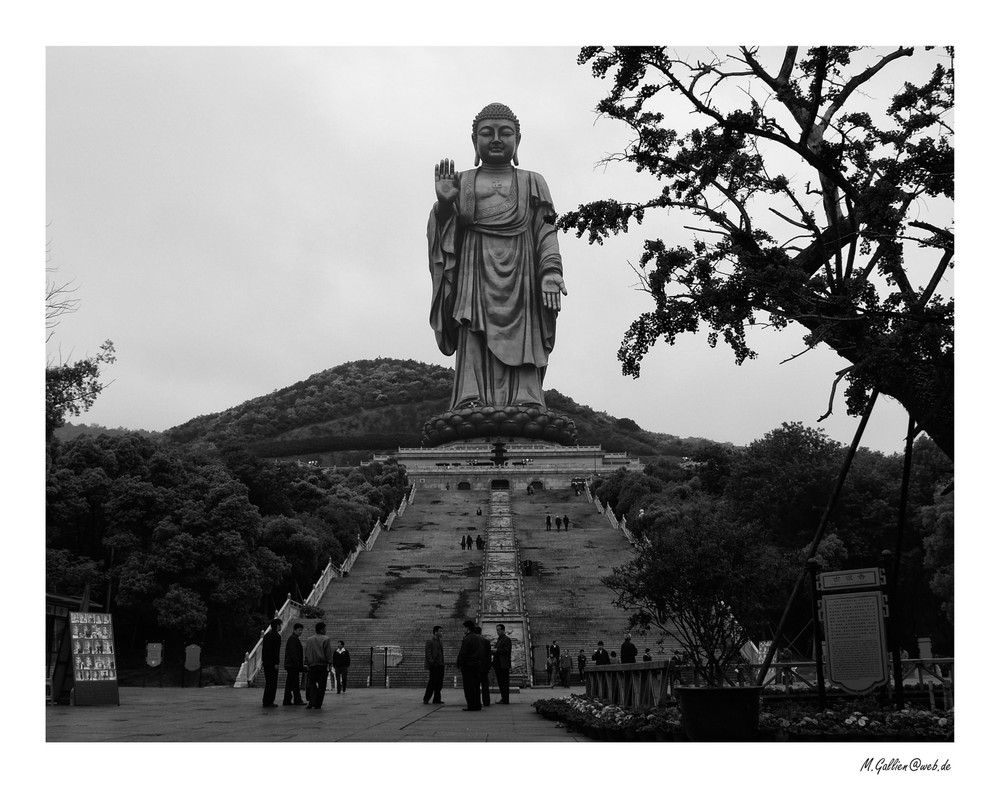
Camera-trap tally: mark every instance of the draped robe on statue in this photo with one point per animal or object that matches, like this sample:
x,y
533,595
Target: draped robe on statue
x,y
487,308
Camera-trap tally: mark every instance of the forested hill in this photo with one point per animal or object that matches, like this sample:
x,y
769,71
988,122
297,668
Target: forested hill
x,y
379,405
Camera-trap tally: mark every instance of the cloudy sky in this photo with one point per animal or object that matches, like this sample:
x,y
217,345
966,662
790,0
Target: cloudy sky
x,y
237,219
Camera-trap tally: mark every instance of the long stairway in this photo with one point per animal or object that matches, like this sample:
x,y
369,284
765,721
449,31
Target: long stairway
x,y
418,576
563,595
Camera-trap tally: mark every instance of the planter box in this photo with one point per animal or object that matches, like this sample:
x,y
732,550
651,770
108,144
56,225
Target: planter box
x,y
720,713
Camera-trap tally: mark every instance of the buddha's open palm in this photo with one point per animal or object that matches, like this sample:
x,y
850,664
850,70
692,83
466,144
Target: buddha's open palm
x,y
446,182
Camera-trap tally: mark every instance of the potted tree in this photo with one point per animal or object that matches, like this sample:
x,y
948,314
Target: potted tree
x,y
711,583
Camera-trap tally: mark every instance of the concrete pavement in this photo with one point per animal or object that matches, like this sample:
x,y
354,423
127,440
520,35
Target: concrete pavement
x,y
224,714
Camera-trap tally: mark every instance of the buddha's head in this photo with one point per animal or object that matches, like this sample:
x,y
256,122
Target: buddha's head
x,y
496,134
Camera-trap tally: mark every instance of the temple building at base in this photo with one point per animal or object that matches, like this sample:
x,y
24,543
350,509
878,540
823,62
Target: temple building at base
x,y
492,463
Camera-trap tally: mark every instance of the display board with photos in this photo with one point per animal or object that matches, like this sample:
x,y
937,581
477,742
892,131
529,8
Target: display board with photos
x,y
95,671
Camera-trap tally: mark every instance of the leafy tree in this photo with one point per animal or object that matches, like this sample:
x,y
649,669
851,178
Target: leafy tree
x,y
713,463
666,470
704,579
783,481
182,610
813,211
937,526
66,573
70,387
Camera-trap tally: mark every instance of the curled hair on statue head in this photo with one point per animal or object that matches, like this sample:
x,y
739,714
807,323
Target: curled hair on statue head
x,y
497,111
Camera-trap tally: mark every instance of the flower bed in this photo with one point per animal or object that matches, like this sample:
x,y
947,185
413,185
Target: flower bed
x,y
607,722
859,720
856,720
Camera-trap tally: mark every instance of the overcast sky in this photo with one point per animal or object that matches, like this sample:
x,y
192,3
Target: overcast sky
x,y
237,219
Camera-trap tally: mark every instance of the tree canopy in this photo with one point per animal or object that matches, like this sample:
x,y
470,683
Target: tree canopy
x,y
811,208
200,544
71,387
705,579
778,487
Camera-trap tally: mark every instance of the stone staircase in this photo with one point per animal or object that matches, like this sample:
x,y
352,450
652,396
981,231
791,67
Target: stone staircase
x,y
564,597
417,576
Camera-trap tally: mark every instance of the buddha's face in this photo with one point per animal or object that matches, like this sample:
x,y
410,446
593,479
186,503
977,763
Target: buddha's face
x,y
496,141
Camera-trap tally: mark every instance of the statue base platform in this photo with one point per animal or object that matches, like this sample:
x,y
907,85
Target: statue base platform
x,y
513,422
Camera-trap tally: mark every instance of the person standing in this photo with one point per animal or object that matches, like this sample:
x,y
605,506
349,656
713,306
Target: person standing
x,y
629,651
565,668
484,669
601,657
293,668
463,541
318,655
434,662
554,651
341,662
558,523
270,657
548,522
581,663
501,663
566,521
469,655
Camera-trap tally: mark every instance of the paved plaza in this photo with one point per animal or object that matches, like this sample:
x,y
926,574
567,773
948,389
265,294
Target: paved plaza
x,y
223,714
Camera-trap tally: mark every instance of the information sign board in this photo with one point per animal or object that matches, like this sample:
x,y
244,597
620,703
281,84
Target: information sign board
x,y
856,639
154,654
95,671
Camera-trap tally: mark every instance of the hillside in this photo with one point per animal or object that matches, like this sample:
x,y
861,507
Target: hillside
x,y
348,412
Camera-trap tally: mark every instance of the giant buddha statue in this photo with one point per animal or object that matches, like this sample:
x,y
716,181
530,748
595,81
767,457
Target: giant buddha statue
x,y
497,289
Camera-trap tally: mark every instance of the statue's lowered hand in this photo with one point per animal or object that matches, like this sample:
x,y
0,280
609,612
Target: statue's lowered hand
x,y
552,286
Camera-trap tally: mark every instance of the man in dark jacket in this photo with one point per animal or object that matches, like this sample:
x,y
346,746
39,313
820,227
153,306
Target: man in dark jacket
x,y
341,662
270,656
484,667
601,657
434,662
629,651
501,663
294,667
468,661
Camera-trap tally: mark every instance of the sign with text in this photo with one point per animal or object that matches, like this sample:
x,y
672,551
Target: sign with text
x,y
856,639
154,654
855,579
95,672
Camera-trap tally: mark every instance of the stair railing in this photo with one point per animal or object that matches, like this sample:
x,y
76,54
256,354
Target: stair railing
x,y
252,661
290,609
320,586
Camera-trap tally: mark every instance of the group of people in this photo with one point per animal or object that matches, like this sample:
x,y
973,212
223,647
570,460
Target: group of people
x,y
561,522
629,652
468,542
316,659
560,663
476,656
